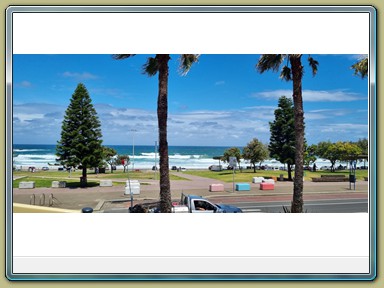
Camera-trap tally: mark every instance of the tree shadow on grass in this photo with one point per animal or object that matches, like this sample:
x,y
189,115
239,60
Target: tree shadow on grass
x,y
74,185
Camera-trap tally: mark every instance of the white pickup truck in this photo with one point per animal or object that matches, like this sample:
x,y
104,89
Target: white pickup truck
x,y
197,204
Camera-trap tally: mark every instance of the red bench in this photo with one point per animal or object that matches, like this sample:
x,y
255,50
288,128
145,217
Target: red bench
x,y
267,186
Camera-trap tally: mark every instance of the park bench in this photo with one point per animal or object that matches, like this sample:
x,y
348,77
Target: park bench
x,y
216,188
59,184
257,180
243,187
105,183
330,178
132,186
267,186
27,185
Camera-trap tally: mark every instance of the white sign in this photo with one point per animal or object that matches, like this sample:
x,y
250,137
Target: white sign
x,y
232,161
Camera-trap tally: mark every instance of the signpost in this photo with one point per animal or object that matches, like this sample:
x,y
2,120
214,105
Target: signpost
x,y
352,175
133,148
233,163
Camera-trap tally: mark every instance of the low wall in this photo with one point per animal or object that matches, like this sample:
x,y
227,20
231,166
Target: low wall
x,y
331,178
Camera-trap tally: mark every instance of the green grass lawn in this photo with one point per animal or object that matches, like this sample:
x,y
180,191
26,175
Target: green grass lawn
x,y
47,182
246,175
45,178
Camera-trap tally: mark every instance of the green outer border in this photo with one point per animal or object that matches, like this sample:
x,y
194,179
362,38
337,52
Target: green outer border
x,y
378,4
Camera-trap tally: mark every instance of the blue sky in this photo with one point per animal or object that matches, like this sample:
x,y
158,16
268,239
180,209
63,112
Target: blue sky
x,y
222,101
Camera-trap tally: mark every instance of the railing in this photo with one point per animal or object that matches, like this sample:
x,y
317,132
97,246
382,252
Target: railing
x,y
52,200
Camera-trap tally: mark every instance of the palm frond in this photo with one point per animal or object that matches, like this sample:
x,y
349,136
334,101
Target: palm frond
x,y
186,62
151,67
269,62
313,63
286,209
286,73
361,68
122,56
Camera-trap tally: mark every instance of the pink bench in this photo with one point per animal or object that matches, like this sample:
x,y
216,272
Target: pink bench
x,y
216,188
267,186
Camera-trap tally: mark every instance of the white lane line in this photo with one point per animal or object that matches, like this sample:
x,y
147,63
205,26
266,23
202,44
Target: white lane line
x,y
305,204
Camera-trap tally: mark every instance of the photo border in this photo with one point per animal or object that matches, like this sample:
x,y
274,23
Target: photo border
x,y
189,9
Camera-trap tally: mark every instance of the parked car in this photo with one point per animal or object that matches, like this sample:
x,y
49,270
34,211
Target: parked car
x,y
325,168
45,168
215,167
341,167
362,167
32,169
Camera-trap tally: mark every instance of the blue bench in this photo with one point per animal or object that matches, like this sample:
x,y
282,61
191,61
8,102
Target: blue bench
x,y
243,187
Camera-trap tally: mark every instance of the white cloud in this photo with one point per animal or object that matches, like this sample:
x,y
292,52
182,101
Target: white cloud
x,y
343,128
114,92
28,117
326,113
218,83
200,127
24,84
313,95
79,76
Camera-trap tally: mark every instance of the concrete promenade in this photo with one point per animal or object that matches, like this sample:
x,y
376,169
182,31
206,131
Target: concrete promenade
x,y
97,197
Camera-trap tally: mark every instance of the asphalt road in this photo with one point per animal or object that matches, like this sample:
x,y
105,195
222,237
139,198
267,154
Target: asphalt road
x,y
311,206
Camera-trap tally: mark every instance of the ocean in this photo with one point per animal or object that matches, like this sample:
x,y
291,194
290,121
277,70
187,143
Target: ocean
x,y
141,156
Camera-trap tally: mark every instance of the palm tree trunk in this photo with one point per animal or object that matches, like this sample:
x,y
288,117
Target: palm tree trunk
x,y
289,172
297,75
162,115
83,180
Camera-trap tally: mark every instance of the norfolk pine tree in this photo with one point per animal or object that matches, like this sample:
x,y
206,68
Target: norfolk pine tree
x,y
80,143
282,141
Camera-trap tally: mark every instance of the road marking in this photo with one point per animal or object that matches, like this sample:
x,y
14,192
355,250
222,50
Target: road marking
x,y
305,204
337,203
251,210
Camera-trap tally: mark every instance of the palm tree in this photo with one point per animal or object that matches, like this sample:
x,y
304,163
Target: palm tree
x,y
159,63
292,71
361,67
